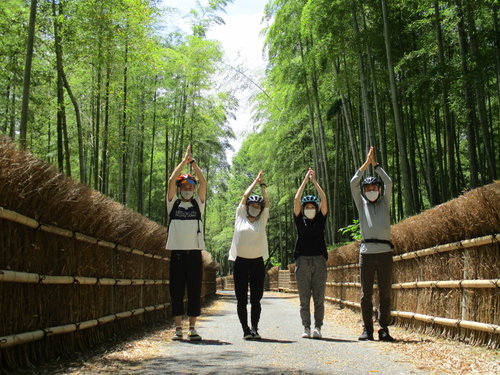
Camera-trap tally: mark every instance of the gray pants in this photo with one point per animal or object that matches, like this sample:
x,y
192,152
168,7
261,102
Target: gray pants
x,y
310,273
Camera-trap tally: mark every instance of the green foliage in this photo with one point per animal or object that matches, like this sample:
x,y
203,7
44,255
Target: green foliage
x,y
353,230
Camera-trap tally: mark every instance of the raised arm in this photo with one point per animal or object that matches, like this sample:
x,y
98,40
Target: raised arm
x,y
324,204
172,188
387,182
202,188
249,190
355,180
298,196
263,189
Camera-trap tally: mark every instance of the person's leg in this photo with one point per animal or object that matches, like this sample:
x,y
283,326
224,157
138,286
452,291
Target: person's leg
x,y
367,270
177,285
240,276
303,278
318,293
257,275
384,277
194,278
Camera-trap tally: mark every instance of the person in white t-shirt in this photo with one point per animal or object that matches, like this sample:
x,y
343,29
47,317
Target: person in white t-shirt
x,y
185,240
249,251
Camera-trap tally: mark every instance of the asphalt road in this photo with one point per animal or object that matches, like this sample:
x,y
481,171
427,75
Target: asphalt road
x,y
281,350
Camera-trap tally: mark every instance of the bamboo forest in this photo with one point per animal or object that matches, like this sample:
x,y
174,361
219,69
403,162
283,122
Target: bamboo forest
x,y
110,95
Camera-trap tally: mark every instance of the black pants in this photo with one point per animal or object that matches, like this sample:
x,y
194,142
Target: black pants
x,y
382,265
249,271
186,271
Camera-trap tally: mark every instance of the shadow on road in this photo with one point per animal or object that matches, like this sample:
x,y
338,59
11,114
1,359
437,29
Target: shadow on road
x,y
207,342
274,341
328,339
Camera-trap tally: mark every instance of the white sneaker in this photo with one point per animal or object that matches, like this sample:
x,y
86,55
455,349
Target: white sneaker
x,y
178,334
317,333
307,333
193,335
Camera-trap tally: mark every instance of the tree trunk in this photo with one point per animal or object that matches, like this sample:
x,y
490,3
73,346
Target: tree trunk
x,y
61,110
400,133
446,106
153,135
105,136
365,100
469,105
27,75
479,91
123,148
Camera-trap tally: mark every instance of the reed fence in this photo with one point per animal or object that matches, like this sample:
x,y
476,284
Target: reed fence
x,y
76,268
446,274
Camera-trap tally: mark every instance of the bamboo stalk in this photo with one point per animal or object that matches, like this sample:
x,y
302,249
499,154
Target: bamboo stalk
x,y
477,326
473,242
472,284
26,337
18,218
56,230
32,223
35,278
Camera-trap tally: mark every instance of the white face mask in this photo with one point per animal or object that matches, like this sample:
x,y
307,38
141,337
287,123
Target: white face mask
x,y
371,195
187,194
254,212
310,213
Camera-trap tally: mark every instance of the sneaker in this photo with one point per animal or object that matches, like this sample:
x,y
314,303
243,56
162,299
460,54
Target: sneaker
x,y
255,333
193,335
178,334
383,335
317,333
366,335
307,333
247,334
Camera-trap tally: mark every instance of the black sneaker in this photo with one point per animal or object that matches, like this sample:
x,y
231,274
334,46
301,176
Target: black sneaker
x,y
247,334
383,335
255,333
366,335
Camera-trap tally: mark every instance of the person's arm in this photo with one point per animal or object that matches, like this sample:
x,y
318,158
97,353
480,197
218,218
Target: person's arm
x,y
355,180
249,190
202,188
263,189
172,187
297,206
387,182
324,204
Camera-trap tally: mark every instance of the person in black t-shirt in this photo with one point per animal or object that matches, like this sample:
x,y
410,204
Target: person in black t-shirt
x,y
311,254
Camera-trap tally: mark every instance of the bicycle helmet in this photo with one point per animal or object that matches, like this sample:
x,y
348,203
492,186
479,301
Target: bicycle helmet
x,y
186,178
310,199
255,199
371,181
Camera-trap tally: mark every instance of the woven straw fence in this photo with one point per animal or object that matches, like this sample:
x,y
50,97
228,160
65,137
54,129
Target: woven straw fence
x,y
76,268
446,273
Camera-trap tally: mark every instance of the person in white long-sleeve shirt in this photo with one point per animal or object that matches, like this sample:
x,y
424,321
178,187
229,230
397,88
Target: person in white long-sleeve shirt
x,y
249,250
373,204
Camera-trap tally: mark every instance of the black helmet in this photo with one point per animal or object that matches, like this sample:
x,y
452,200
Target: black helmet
x,y
255,199
310,199
371,181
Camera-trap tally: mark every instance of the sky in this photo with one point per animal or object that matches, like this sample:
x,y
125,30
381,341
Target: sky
x,y
243,46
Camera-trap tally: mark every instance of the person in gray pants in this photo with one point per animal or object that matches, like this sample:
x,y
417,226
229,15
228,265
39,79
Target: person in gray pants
x,y
311,254
375,252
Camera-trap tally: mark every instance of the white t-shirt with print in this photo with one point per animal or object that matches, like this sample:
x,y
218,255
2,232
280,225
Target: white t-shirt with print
x,y
183,234
249,239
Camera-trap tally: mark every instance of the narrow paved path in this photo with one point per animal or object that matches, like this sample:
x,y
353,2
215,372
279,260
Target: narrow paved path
x,y
281,351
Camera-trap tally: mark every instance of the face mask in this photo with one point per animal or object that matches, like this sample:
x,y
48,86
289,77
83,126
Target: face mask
x,y
254,212
187,194
310,213
371,195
